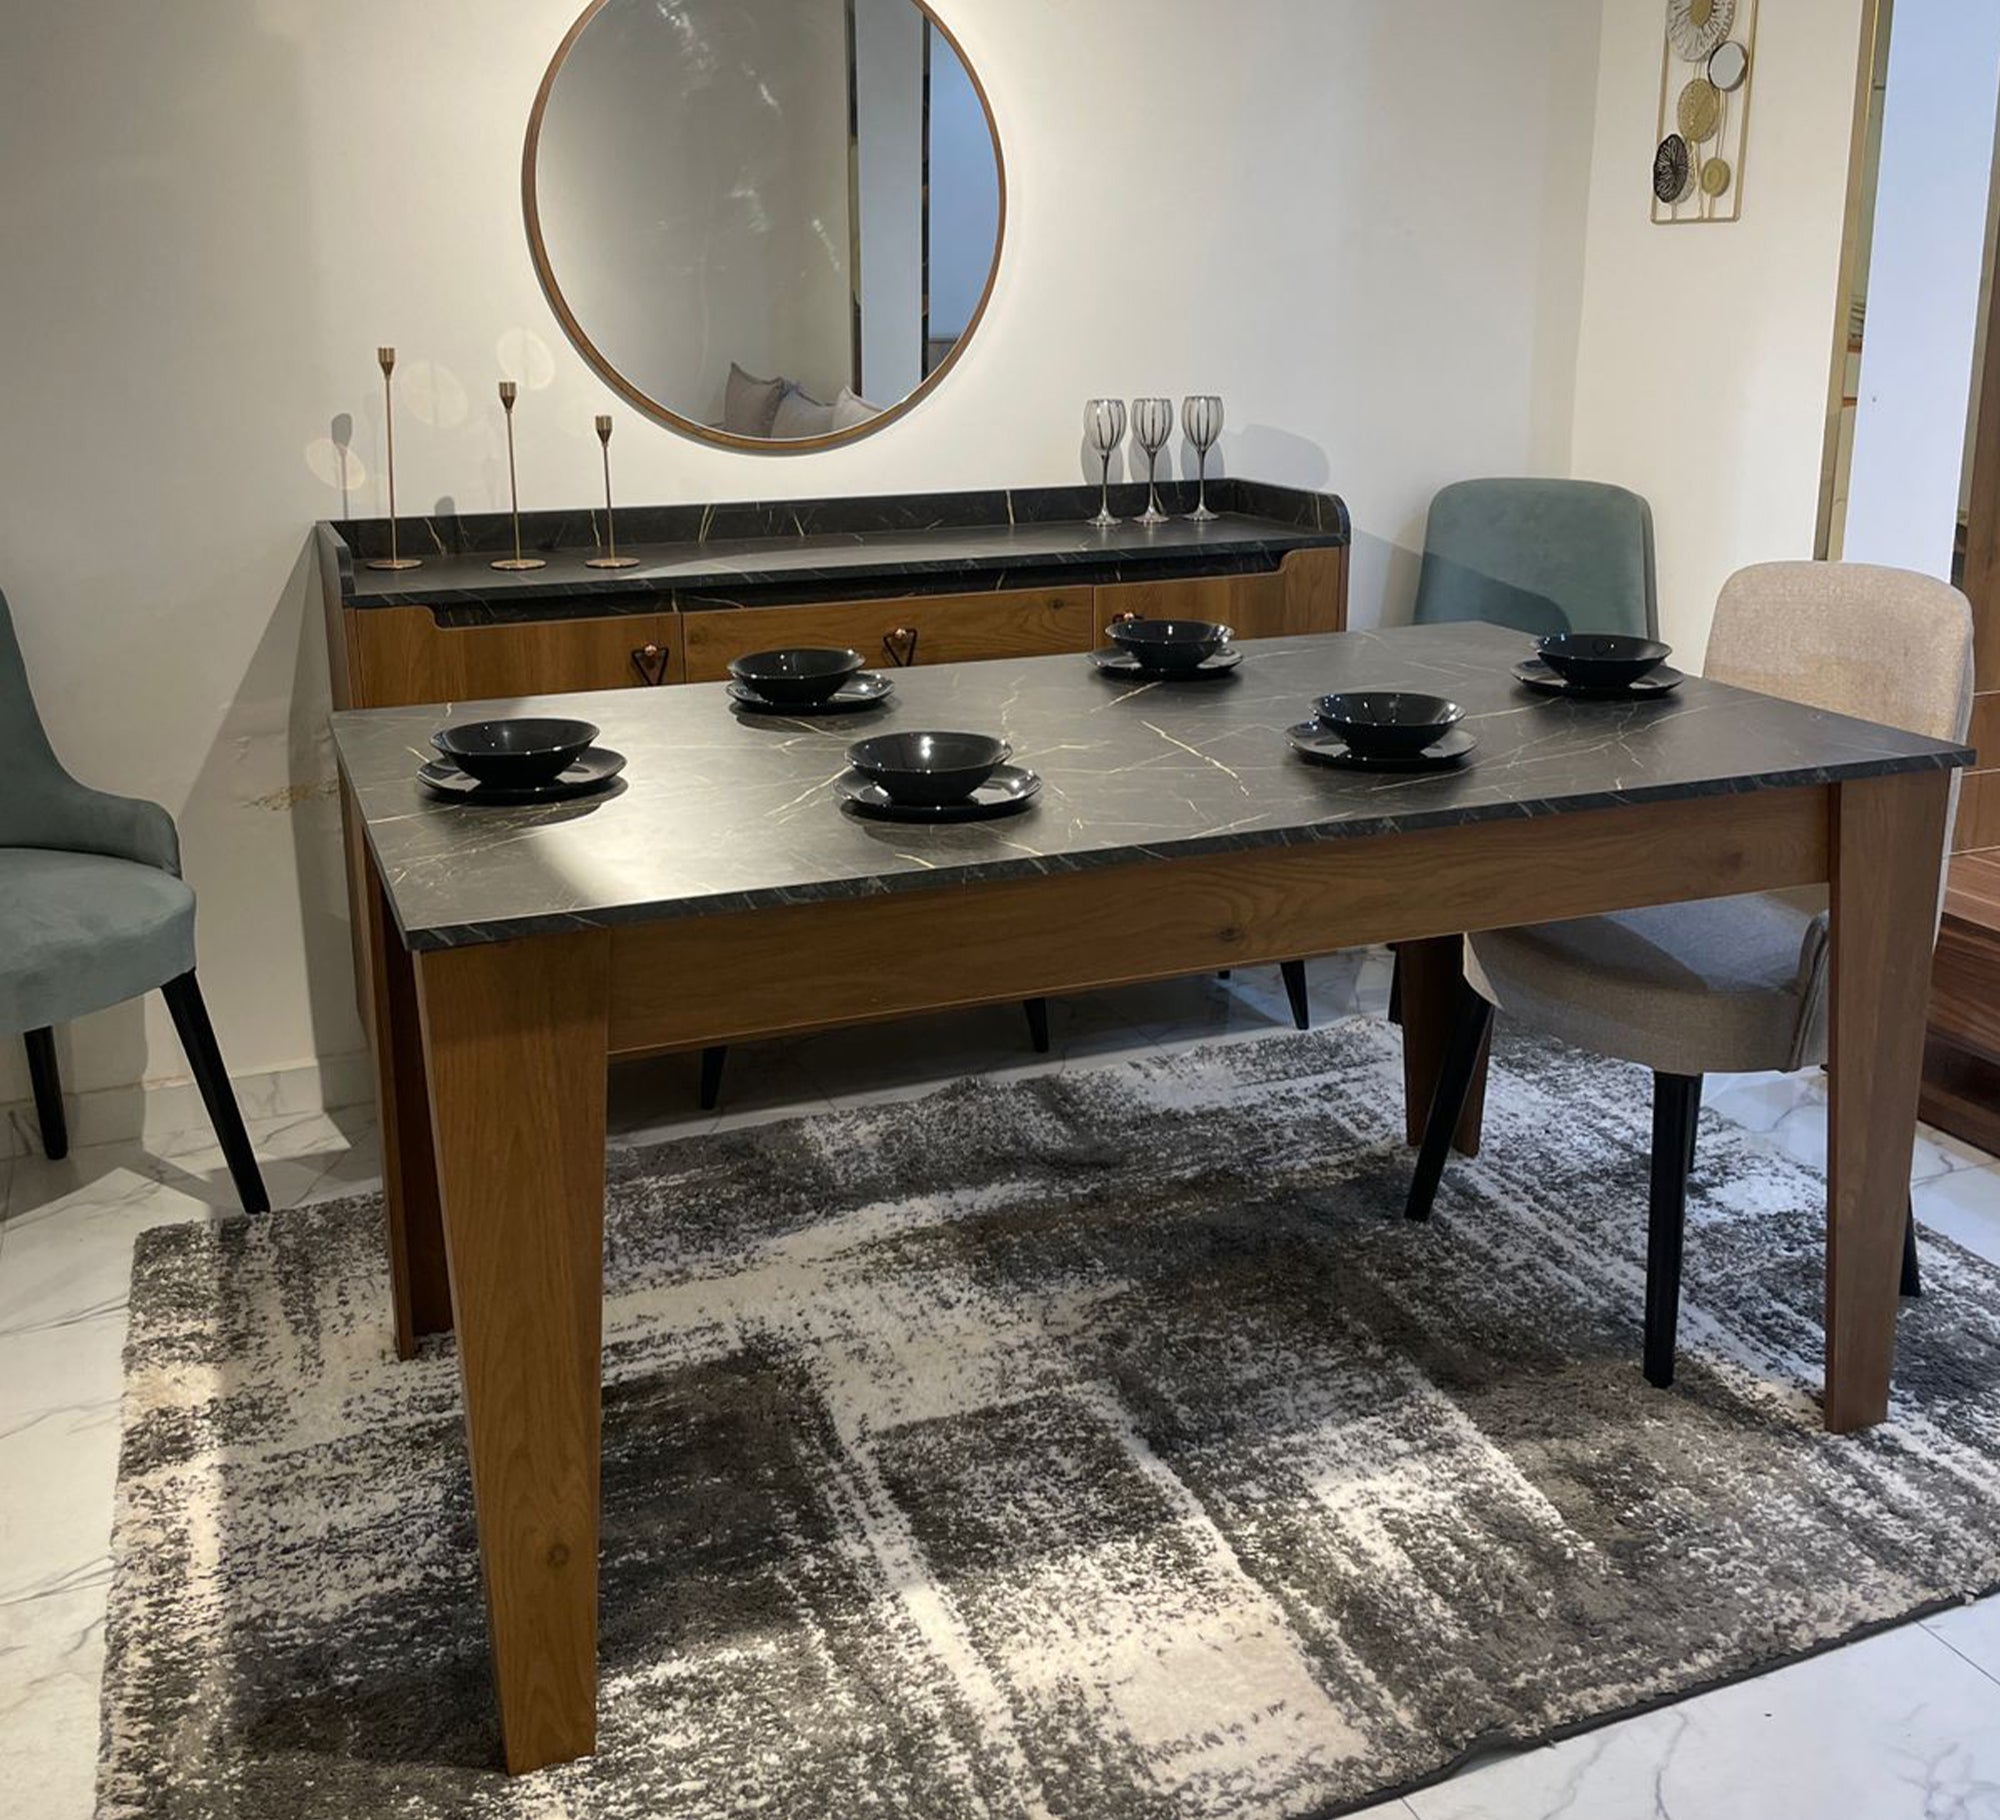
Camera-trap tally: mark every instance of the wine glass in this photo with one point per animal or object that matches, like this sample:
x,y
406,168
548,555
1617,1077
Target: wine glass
x,y
1201,422
1152,424
1104,423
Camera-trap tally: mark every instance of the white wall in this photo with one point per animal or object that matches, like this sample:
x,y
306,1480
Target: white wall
x,y
1361,222
1924,284
1706,352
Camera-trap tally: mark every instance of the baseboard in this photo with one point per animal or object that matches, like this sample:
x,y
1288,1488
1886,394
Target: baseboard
x,y
157,1109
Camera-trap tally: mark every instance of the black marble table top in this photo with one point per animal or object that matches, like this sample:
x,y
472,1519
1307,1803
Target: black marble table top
x,y
719,811
736,555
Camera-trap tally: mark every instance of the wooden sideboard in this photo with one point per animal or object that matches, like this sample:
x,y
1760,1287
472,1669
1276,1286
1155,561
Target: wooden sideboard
x,y
927,579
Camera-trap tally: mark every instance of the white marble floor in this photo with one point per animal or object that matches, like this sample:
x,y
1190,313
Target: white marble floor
x,y
1907,1724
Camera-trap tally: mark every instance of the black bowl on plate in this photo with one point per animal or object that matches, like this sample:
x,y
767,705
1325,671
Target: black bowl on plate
x,y
516,753
928,770
799,677
1602,660
1169,644
1388,723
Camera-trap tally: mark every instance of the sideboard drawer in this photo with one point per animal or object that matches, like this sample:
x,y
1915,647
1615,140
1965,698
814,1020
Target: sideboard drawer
x,y
923,629
403,657
1308,593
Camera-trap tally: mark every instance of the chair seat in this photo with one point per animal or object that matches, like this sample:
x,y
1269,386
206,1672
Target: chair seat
x,y
79,932
1723,986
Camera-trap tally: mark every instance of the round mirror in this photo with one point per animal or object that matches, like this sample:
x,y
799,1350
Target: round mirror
x,y
1728,64
770,223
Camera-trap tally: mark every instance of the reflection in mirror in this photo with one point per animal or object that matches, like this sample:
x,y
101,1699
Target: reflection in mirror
x,y
766,221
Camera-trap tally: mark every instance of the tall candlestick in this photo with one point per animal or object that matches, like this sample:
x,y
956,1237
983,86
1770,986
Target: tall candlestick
x,y
610,559
509,391
387,359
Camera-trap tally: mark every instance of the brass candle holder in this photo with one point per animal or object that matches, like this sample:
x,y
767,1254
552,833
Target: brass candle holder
x,y
386,357
610,559
509,391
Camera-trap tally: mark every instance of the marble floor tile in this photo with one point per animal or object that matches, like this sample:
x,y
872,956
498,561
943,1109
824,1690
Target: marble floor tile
x,y
357,1170
1973,1631
659,1098
1758,1101
60,1468
1252,1001
1896,1728
1964,1205
51,1666
76,1364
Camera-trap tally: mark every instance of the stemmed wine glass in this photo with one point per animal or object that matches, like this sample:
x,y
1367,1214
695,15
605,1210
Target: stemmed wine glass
x,y
1201,421
1152,424
1104,423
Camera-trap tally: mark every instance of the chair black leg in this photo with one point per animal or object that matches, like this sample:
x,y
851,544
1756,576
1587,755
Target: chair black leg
x,y
1396,988
1038,1023
197,1036
713,1061
1913,1277
46,1080
1676,1112
1461,1062
1295,990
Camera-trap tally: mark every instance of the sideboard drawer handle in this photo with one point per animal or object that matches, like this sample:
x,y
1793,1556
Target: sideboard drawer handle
x,y
901,646
651,663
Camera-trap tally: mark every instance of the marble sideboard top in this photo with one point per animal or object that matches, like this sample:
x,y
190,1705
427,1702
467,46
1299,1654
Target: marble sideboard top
x,y
719,811
827,549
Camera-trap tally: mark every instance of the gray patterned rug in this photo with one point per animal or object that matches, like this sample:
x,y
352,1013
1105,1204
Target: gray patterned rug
x,y
1099,1448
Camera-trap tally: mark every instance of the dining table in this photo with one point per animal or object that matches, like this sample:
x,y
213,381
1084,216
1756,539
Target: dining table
x,y
721,890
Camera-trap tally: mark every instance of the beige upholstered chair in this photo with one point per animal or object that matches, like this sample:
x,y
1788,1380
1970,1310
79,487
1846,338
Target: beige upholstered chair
x,y
1733,985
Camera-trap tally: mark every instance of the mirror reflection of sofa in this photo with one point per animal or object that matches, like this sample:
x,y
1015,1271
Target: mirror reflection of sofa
x,y
780,409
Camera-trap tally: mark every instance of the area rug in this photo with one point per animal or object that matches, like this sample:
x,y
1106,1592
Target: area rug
x,y
1096,1447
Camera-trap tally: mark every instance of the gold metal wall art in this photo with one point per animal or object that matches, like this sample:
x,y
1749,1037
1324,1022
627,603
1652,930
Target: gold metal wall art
x,y
1708,61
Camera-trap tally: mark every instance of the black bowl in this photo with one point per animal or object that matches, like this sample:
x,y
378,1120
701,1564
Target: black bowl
x,y
1602,660
517,753
928,770
1385,723
802,677
1169,644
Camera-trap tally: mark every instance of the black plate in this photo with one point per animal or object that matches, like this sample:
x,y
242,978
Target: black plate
x,y
1650,687
1127,668
1320,743
591,773
856,697
1010,789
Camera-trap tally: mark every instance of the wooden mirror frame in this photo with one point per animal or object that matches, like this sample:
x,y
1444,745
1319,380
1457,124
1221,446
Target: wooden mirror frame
x,y
653,408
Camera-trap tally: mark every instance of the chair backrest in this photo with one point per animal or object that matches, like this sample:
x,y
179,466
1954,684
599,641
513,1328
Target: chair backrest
x,y
1540,555
35,777
1881,644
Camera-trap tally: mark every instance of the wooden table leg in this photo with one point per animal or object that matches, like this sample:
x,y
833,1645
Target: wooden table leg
x,y
515,1035
419,1291
1888,852
1429,975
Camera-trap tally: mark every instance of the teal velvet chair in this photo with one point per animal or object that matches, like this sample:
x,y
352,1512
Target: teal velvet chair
x,y
93,911
1541,556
